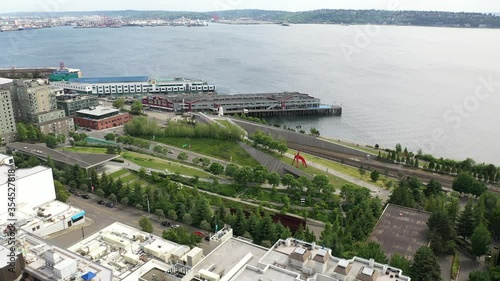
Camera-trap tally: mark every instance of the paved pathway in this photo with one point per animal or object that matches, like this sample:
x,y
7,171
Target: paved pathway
x,y
382,193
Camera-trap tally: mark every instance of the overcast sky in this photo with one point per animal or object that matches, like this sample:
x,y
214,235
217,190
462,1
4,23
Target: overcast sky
x,y
214,5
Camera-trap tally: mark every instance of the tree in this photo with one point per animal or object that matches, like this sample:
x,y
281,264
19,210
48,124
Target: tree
x,y
433,188
479,275
112,197
273,179
99,192
159,213
187,219
398,148
425,266
182,156
22,132
171,214
466,223
110,137
400,262
314,132
442,231
159,149
216,168
146,225
119,103
480,240
124,201
361,171
110,150
244,175
205,225
51,141
231,170
374,175
136,107
61,138
62,194
372,250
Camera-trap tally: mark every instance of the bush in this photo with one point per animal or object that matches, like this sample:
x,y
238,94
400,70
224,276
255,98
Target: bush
x,y
455,266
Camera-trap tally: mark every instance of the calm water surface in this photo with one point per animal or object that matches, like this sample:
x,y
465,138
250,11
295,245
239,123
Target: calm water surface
x,y
400,84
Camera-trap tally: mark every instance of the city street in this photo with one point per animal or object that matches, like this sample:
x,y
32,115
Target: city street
x,y
102,216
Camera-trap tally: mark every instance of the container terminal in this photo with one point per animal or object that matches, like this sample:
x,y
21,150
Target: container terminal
x,y
181,95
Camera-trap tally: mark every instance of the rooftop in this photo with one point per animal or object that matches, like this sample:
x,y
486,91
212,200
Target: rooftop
x,y
48,262
99,80
126,250
98,111
5,81
84,160
401,230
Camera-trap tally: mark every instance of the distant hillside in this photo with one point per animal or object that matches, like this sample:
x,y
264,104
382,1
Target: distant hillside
x,y
420,18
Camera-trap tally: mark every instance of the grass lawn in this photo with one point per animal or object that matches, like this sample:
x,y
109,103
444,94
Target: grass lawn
x,y
224,122
128,178
160,164
118,173
83,149
344,169
224,150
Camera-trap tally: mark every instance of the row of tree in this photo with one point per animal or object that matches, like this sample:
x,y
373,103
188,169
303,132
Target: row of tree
x,y
268,142
142,126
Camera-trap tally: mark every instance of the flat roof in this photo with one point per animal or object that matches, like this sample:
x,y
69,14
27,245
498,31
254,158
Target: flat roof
x,y
117,79
98,111
401,230
84,160
5,81
35,248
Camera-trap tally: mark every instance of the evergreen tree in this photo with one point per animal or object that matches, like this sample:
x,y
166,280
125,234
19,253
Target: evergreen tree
x,y
478,275
400,262
146,225
425,266
442,232
466,225
480,240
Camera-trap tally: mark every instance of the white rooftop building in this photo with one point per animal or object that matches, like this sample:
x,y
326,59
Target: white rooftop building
x,y
235,259
130,253
35,208
45,261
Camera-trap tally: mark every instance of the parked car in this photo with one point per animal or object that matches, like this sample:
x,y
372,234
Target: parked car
x,y
170,152
176,226
78,193
101,202
197,233
110,205
207,238
85,196
166,223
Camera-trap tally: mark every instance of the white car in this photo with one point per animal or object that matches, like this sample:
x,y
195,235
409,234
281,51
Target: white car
x,y
175,226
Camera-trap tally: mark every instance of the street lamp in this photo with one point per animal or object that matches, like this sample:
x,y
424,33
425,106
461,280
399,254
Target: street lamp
x,y
91,185
147,197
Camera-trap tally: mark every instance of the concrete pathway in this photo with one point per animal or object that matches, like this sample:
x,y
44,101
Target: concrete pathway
x,y
382,193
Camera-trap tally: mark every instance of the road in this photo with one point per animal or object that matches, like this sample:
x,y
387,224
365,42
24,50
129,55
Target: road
x,y
102,216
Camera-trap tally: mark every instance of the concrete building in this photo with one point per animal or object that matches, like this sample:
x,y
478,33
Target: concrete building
x,y
34,101
54,122
131,253
100,118
7,119
73,103
235,259
36,208
40,260
33,96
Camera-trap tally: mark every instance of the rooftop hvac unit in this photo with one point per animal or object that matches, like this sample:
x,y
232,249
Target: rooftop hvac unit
x,y
131,258
97,253
65,268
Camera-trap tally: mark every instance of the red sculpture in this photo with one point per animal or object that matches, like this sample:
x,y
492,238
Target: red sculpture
x,y
298,157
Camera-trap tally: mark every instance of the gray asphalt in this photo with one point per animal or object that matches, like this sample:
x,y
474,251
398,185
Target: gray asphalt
x,y
102,216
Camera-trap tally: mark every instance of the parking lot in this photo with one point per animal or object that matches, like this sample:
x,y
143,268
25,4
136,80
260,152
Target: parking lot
x,y
101,216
